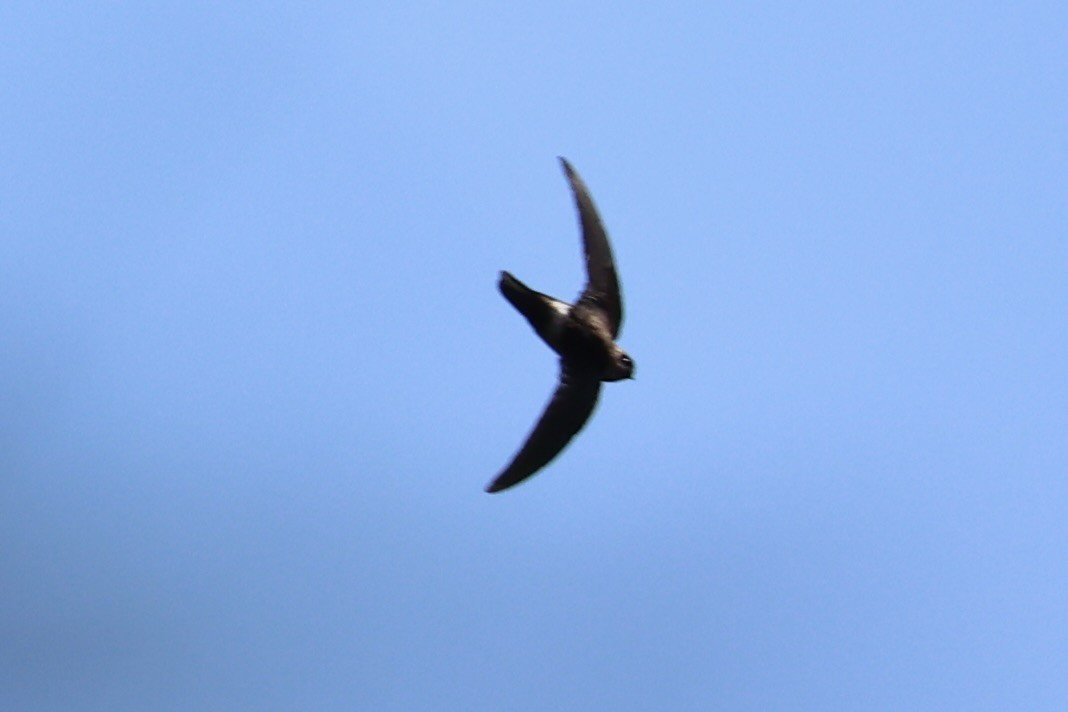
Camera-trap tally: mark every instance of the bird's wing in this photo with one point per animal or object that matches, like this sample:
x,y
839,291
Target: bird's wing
x,y
567,412
602,286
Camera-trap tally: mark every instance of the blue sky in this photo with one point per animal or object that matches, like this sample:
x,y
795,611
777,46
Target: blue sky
x,y
256,371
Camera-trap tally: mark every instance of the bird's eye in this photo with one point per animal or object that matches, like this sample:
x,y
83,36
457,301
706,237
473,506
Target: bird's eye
x,y
626,360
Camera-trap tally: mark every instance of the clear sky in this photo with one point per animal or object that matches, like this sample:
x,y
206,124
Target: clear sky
x,y
255,371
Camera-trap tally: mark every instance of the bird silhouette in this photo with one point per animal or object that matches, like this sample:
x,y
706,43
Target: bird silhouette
x,y
582,334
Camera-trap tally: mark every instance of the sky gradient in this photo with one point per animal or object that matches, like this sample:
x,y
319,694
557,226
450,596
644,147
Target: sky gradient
x,y
255,371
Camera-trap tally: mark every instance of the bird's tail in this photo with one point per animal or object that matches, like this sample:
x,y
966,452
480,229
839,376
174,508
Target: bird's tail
x,y
539,309
522,297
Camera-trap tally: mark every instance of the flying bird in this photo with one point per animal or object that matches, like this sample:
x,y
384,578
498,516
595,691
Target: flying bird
x,y
583,335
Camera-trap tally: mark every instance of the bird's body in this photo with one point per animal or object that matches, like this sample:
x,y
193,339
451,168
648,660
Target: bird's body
x,y
582,334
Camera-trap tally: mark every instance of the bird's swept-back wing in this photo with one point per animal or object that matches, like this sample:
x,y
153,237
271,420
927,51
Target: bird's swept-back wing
x,y
567,412
602,287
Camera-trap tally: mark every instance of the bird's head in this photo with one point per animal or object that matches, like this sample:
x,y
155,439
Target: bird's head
x,y
622,366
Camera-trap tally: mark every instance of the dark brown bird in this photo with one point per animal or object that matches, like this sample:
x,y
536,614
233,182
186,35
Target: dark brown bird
x,y
583,335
